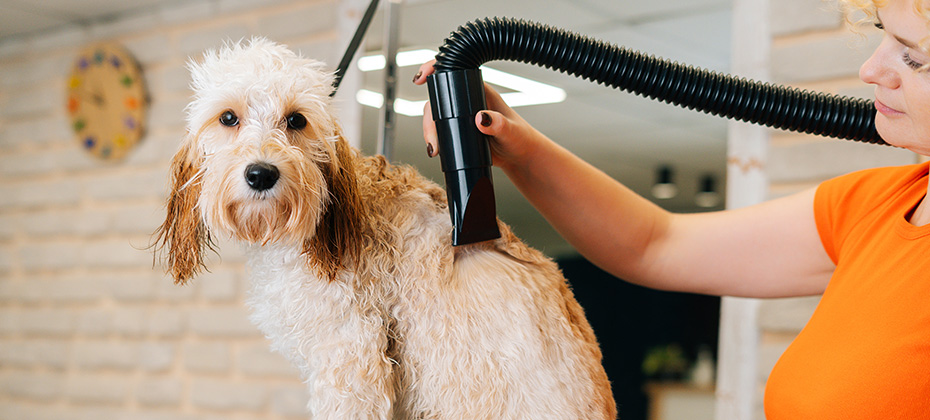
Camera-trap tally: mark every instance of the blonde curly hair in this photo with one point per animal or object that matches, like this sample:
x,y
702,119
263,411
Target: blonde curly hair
x,y
869,7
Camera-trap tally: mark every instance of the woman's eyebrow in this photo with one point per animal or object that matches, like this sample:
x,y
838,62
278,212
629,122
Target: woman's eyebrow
x,y
902,41
905,42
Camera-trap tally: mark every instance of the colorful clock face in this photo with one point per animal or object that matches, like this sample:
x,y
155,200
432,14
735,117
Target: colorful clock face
x,y
107,101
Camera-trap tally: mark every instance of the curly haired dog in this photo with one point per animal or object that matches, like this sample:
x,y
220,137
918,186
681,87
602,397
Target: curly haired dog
x,y
354,278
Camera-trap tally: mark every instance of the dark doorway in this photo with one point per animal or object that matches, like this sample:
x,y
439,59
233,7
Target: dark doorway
x,y
629,320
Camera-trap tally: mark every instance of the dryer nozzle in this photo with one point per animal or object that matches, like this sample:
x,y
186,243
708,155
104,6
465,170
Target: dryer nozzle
x,y
455,98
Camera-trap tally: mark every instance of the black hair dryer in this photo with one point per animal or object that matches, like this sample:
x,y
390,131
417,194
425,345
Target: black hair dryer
x,y
455,99
456,94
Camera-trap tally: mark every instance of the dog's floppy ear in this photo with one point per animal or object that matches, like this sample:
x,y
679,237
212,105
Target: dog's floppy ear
x,y
183,234
338,238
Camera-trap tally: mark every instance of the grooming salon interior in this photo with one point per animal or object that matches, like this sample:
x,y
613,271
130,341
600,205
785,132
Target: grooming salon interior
x,y
91,328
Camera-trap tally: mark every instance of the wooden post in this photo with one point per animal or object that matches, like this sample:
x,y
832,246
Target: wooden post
x,y
747,184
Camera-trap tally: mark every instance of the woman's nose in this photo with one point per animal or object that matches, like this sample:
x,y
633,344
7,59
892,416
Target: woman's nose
x,y
878,69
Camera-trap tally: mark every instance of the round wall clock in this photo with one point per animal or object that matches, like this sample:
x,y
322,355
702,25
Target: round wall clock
x,y
107,101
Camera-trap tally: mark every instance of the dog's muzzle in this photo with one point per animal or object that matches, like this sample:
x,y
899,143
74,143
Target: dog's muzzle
x,y
261,176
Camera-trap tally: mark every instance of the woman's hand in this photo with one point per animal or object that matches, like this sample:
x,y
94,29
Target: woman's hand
x,y
512,138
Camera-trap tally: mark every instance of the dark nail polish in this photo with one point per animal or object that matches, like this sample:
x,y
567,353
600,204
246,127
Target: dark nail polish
x,y
417,77
485,119
429,150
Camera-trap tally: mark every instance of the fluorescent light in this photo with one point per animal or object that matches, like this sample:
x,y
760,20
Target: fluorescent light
x,y
401,106
527,92
404,59
522,84
414,57
369,98
371,63
409,108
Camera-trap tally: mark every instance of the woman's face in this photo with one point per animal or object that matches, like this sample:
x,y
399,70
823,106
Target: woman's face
x,y
902,94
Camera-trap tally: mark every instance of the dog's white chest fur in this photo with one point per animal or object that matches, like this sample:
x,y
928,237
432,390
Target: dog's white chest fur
x,y
331,331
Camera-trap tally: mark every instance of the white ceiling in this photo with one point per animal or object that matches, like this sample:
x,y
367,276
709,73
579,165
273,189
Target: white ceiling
x,y
625,135
21,17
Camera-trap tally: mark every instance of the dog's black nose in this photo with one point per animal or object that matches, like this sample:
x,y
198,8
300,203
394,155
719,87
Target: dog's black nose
x,y
261,176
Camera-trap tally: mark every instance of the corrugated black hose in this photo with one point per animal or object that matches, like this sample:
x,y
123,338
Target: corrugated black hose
x,y
456,95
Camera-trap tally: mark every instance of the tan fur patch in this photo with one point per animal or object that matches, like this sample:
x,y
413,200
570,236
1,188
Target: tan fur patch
x,y
183,234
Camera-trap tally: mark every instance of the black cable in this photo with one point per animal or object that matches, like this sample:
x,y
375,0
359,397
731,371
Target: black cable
x,y
353,45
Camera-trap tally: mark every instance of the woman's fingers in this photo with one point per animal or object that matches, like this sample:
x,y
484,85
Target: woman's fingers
x,y
426,69
429,128
429,132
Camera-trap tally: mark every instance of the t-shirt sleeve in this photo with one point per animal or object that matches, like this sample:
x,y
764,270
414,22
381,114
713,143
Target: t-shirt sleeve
x,y
825,204
841,202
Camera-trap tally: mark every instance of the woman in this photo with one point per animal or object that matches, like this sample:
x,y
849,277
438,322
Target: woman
x,y
861,240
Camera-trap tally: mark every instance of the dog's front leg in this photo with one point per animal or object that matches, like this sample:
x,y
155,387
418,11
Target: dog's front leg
x,y
350,375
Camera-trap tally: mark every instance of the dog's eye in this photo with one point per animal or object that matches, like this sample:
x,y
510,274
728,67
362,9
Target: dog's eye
x,y
229,119
296,121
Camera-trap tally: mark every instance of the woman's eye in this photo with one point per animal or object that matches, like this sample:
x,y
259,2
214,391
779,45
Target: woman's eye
x,y
911,62
229,119
296,121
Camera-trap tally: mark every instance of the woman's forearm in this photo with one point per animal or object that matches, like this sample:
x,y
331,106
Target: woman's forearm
x,y
604,220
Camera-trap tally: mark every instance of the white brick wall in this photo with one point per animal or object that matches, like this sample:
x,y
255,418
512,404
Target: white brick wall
x,y
790,17
89,329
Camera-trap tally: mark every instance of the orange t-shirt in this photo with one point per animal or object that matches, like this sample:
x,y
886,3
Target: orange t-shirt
x,y
865,353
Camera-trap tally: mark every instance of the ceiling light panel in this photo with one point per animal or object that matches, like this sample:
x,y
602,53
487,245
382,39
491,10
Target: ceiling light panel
x,y
526,92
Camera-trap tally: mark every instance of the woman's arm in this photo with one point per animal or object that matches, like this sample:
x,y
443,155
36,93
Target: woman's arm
x,y
772,249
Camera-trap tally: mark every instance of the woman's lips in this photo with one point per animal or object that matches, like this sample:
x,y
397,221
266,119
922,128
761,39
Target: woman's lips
x,y
885,110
